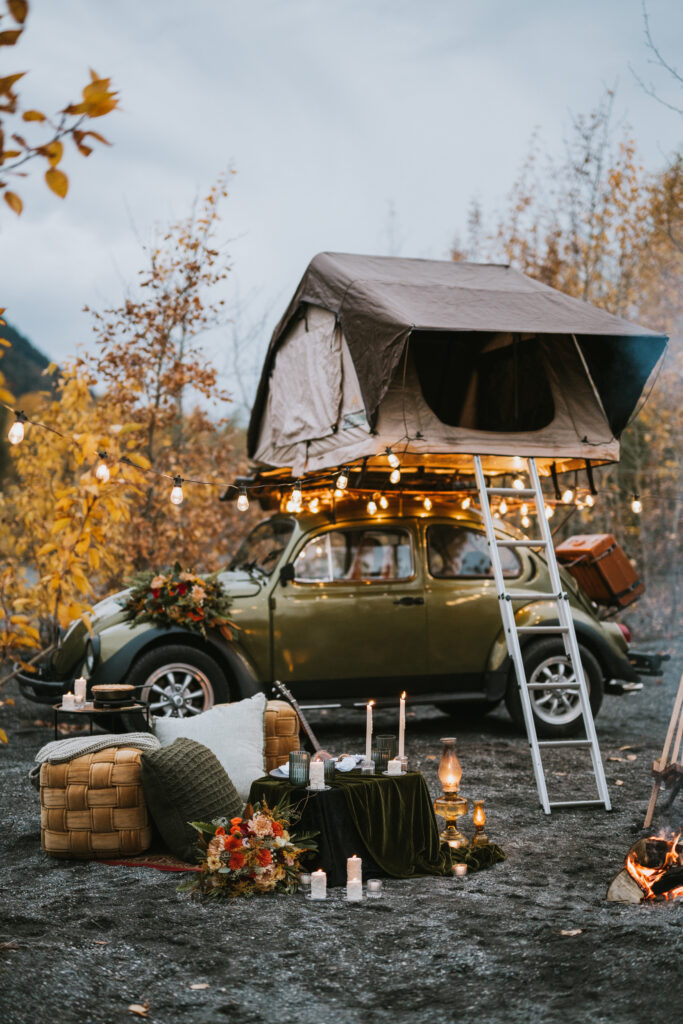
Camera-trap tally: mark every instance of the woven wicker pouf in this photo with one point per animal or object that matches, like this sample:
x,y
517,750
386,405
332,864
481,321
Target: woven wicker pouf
x,y
93,806
281,733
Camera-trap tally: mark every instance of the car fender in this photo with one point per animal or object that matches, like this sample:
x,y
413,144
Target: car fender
x,y
114,667
614,663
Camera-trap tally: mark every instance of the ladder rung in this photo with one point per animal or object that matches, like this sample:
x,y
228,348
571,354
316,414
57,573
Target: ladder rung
x,y
577,803
572,687
512,492
564,743
524,595
542,629
521,543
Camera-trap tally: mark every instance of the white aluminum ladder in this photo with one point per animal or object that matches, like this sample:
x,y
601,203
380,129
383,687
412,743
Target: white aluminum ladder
x,y
565,629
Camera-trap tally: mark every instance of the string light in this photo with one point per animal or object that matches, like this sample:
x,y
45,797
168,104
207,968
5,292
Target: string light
x,y
177,491
503,507
243,500
517,462
392,458
343,479
16,431
290,506
549,511
296,495
395,476
338,493
518,484
465,504
371,507
427,503
524,509
383,502
636,505
314,505
590,500
102,472
568,496
526,522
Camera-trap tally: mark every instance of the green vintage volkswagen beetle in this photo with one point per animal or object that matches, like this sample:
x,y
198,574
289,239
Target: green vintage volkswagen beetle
x,y
355,607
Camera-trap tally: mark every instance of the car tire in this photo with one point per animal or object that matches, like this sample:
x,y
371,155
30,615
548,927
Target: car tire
x,y
178,681
556,712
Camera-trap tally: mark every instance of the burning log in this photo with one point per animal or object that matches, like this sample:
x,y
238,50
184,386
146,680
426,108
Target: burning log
x,y
653,869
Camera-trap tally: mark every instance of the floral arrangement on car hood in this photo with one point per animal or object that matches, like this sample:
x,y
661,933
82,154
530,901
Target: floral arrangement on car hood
x,y
250,855
178,597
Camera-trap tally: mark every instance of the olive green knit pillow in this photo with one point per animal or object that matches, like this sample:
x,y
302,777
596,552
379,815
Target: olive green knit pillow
x,y
186,782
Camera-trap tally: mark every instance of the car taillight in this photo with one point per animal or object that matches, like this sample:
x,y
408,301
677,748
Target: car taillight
x,y
626,631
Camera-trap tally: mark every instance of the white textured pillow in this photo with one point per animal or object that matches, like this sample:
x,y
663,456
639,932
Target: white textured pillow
x,y
234,732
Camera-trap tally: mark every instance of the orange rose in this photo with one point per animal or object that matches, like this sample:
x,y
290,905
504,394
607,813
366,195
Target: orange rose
x,y
235,821
220,831
277,828
237,861
264,858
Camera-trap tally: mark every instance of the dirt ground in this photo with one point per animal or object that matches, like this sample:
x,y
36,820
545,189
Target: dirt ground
x,y
86,940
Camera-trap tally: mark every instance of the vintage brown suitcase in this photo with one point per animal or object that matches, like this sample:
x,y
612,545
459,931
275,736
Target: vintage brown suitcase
x,y
601,569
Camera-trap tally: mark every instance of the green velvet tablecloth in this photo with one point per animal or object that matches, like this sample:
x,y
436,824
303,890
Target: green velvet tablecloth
x,y
393,816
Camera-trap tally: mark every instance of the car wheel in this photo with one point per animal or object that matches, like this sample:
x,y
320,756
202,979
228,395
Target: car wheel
x,y
178,681
557,712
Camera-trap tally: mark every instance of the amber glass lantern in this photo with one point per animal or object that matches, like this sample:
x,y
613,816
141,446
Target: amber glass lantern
x,y
450,805
479,819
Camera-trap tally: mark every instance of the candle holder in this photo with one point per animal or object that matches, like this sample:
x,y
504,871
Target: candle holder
x,y
373,888
479,819
450,805
380,759
368,767
299,761
387,743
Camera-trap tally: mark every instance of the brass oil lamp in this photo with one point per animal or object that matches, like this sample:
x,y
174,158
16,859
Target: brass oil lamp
x,y
450,805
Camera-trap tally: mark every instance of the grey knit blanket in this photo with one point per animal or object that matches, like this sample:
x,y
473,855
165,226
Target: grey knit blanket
x,y
58,751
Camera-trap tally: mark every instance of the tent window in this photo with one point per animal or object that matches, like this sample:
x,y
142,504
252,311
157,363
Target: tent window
x,y
472,381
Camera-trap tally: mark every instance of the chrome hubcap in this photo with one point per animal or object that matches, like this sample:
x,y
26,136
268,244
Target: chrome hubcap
x,y
556,706
177,691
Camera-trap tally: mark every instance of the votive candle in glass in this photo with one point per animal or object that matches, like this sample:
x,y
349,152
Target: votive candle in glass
x,y
298,767
319,885
459,870
354,890
305,881
373,888
316,775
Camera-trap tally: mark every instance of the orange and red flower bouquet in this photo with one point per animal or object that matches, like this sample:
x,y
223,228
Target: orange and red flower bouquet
x,y
179,597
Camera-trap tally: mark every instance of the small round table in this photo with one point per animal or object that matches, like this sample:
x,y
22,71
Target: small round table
x,y
93,713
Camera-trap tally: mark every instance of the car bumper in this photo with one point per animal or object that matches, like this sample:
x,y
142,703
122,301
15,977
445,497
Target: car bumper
x,y
40,690
647,664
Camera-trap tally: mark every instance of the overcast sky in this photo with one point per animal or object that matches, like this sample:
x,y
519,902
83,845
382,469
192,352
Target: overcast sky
x,y
330,111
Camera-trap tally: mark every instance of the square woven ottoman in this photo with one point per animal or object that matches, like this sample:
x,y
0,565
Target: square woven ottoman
x,y
93,806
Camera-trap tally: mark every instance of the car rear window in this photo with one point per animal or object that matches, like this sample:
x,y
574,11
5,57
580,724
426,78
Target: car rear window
x,y
454,552
355,554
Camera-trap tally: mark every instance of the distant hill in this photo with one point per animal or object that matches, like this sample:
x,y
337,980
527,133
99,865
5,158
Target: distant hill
x,y
22,365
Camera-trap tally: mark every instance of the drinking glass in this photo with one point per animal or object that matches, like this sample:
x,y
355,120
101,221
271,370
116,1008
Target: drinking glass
x,y
329,770
299,761
381,759
387,743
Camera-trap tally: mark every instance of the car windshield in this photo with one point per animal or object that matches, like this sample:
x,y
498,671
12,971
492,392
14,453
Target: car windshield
x,y
262,548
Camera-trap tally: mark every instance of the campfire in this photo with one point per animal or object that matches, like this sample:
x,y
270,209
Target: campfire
x,y
653,871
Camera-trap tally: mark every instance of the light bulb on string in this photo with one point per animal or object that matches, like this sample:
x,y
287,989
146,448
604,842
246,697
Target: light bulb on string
x,y
427,504
314,505
524,509
590,500
526,522
503,507
177,491
338,493
343,479
518,484
371,507
243,500
549,511
102,472
395,476
296,494
567,496
636,505
383,502
465,504
517,462
392,458
15,434
290,506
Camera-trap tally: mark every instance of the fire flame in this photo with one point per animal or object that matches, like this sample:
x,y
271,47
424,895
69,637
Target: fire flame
x,y
647,877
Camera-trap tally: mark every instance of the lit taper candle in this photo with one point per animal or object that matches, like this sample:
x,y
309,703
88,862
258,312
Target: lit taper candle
x,y
368,731
402,726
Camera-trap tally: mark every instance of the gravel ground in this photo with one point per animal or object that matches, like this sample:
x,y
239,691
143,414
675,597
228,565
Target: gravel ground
x,y
87,940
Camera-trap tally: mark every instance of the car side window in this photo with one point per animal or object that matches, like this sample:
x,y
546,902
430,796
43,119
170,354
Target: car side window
x,y
454,552
355,554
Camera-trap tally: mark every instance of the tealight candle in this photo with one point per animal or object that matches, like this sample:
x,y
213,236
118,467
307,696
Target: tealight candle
x,y
316,775
319,885
305,881
69,701
374,887
395,767
459,870
354,890
354,869
80,686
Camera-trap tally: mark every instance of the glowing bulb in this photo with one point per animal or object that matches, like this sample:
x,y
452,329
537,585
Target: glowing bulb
x,y
393,459
177,491
567,496
524,510
503,507
496,515
517,462
518,484
395,476
338,493
526,522
636,505
383,503
465,504
243,500
16,431
343,479
371,507
590,500
427,504
296,494
290,506
314,505
549,511
102,471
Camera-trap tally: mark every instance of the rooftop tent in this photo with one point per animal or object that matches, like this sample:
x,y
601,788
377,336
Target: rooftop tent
x,y
442,361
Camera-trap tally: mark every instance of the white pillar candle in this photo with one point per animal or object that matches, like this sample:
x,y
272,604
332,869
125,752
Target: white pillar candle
x,y
395,767
402,726
69,700
316,775
319,885
368,731
80,687
354,869
354,890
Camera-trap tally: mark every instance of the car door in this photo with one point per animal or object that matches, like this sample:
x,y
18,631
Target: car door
x,y
352,622
463,615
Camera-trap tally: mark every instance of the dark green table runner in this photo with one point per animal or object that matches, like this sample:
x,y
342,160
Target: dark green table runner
x,y
393,816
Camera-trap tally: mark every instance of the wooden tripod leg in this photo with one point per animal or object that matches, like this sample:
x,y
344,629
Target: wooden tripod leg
x,y
675,726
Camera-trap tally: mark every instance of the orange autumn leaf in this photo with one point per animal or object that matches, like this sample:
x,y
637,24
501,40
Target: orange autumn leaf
x,y
54,151
57,181
14,202
18,9
33,115
9,38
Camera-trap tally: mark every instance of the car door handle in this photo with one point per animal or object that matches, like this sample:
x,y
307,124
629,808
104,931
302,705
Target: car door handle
x,y
409,600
